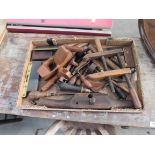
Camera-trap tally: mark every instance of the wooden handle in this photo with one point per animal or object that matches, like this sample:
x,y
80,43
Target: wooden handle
x,y
50,83
86,83
75,48
98,45
111,73
135,98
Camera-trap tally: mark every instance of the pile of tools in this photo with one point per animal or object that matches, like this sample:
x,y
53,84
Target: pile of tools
x,y
82,74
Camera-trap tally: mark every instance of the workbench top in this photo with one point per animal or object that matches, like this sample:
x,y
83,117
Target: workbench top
x,y
13,52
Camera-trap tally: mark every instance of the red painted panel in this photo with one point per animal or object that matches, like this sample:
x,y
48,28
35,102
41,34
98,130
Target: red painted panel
x,y
66,22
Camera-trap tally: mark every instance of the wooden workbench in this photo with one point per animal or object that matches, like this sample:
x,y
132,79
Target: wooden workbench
x,y
12,55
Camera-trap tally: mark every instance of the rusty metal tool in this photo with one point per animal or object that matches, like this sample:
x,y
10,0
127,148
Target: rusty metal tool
x,y
82,101
136,101
34,77
45,71
110,73
106,54
75,75
100,49
120,93
35,95
68,87
83,64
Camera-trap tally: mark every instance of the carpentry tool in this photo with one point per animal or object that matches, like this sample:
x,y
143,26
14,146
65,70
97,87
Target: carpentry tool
x,y
120,93
100,49
115,61
134,95
60,59
60,41
77,70
91,68
83,64
121,86
110,73
111,64
79,57
50,83
64,72
106,54
82,101
76,48
34,77
68,87
72,48
85,82
35,95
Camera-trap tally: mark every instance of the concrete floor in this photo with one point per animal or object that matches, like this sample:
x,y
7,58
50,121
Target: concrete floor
x,y
36,126
32,126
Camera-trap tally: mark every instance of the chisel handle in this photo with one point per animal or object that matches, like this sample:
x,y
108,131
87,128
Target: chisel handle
x,y
137,103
